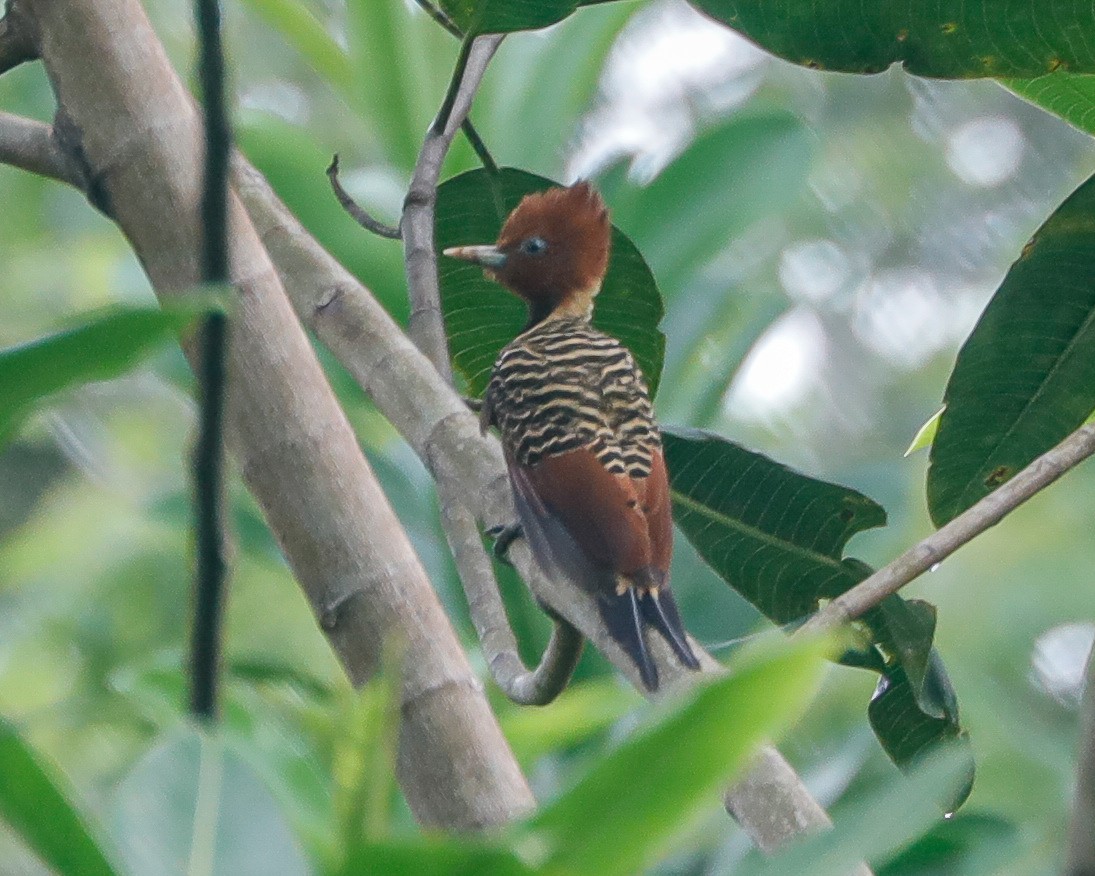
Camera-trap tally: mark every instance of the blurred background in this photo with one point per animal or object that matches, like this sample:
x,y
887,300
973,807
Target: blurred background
x,y
823,242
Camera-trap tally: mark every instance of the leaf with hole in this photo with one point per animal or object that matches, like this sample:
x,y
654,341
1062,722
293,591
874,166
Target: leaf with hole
x,y
1025,377
481,317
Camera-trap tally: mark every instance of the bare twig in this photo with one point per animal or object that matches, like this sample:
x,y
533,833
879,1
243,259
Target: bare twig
x,y
1081,838
17,44
141,136
947,539
356,211
550,678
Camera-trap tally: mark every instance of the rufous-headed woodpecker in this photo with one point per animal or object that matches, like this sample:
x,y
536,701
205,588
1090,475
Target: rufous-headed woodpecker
x,y
583,450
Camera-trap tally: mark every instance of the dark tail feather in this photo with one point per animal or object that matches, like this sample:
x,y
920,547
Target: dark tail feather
x,y
623,619
660,611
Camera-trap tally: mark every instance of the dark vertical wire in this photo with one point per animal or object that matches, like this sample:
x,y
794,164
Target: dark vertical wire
x,y
209,452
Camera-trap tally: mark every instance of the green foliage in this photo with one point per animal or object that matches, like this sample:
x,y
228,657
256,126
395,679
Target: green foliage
x,y
307,762
950,39
1025,378
41,811
778,538
105,347
481,317
623,814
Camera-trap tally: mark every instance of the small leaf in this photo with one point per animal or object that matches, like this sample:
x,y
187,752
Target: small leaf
x,y
481,317
101,349
626,811
1025,378
39,810
192,805
925,435
908,732
950,39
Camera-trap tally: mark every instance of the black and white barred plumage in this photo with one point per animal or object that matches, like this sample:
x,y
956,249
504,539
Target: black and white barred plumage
x,y
563,385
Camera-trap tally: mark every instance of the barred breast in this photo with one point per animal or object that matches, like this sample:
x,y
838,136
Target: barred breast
x,y
563,385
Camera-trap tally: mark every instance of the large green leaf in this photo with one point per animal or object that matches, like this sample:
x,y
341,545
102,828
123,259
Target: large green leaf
x,y
481,317
103,348
1025,378
38,808
952,39
778,538
192,805
626,811
776,535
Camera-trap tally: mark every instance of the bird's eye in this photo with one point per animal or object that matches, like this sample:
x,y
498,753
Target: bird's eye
x,y
534,246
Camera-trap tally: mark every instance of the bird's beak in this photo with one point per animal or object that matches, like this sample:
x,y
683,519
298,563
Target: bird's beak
x,y
488,256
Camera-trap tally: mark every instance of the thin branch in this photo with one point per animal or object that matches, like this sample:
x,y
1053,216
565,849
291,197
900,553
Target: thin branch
x,y
208,465
29,144
918,559
17,44
479,147
140,137
356,211
1081,839
427,328
540,686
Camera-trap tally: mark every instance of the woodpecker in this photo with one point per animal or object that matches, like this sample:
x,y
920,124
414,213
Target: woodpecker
x,y
581,444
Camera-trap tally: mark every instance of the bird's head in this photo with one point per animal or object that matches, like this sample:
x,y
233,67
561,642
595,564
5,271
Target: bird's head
x,y
552,251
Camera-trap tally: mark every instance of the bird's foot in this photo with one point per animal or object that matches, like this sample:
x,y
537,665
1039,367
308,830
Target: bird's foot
x,y
504,535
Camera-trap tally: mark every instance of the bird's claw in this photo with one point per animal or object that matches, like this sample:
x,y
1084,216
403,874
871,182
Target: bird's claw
x,y
504,535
